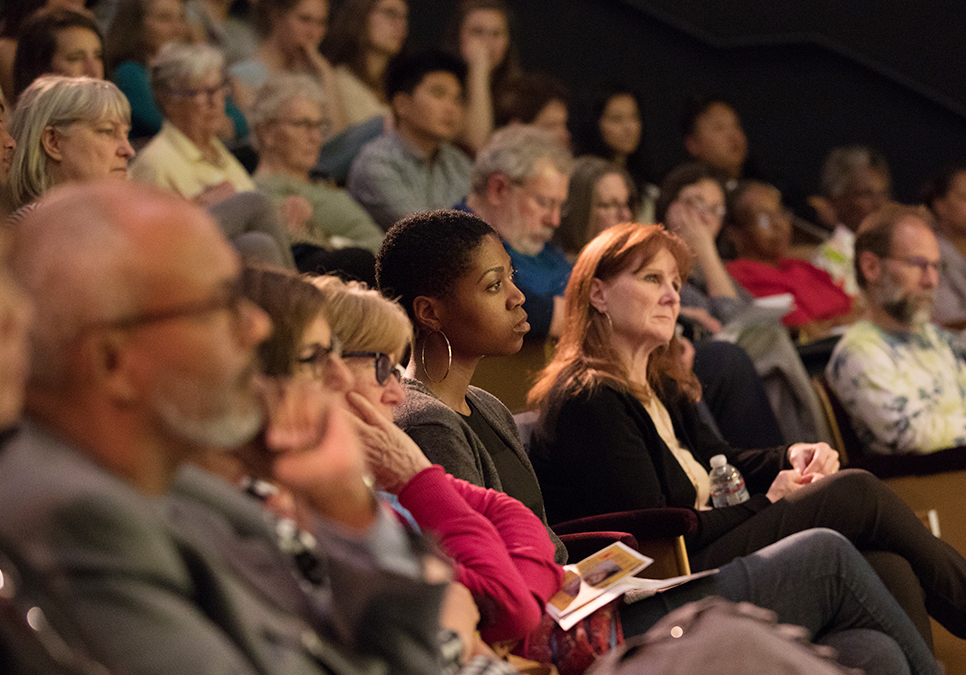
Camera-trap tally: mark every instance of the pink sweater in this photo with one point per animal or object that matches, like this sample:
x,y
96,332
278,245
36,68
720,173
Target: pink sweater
x,y
500,549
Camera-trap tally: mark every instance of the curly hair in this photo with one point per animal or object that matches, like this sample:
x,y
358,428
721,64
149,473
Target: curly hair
x,y
426,254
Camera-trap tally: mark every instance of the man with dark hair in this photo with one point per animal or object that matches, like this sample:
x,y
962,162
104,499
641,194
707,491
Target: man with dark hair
x,y
855,182
901,378
416,167
713,133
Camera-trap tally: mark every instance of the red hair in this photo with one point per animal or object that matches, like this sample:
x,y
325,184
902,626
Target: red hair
x,y
584,358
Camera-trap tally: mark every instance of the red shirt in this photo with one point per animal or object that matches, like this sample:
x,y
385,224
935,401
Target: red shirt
x,y
816,295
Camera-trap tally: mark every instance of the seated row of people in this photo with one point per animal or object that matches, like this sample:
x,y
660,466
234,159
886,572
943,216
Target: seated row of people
x,y
128,384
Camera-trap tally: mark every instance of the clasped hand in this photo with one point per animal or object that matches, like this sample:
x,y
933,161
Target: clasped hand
x,y
810,462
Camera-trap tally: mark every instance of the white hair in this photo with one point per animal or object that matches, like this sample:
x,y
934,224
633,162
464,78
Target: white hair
x,y
516,151
274,94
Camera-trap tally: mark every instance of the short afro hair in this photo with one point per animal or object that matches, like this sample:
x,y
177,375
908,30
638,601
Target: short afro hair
x,y
426,253
407,72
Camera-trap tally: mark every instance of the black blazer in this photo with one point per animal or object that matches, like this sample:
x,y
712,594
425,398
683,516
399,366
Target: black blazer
x,y
601,453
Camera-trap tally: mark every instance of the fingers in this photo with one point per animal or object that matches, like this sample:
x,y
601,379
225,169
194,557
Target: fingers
x,y
365,410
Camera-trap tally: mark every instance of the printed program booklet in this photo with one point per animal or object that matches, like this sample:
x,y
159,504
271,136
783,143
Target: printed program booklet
x,y
602,577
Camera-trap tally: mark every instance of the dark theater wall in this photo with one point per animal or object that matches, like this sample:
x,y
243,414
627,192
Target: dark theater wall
x,y
804,76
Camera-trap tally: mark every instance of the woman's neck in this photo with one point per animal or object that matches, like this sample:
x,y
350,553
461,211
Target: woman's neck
x,y
634,358
376,63
269,165
279,56
452,388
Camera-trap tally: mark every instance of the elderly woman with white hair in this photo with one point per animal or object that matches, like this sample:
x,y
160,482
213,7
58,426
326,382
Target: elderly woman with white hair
x,y
67,129
187,156
329,230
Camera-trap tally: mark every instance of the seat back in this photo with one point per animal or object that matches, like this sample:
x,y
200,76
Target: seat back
x,y
509,378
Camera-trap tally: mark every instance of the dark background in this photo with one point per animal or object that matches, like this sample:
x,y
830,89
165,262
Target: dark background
x,y
804,75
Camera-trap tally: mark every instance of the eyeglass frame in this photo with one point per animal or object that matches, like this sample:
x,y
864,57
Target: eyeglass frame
x,y
321,356
194,92
921,262
388,370
232,301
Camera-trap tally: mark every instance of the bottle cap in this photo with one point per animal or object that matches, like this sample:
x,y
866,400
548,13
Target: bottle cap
x,y
718,460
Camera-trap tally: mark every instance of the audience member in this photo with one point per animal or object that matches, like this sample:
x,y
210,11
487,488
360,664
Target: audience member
x,y
454,279
479,33
416,167
613,129
537,99
761,228
600,195
291,32
57,42
67,130
945,195
138,30
366,35
713,134
7,147
135,375
14,16
618,431
216,24
855,182
519,184
901,378
692,205
333,232
187,156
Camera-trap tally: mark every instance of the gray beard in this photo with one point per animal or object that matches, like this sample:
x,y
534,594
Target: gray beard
x,y
911,308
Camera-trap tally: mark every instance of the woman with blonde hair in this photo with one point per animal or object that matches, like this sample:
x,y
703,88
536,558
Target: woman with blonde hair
x,y
68,129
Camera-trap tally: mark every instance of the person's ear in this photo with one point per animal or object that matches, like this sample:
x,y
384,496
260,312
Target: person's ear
x,y
871,266
598,295
426,311
691,145
50,140
499,187
105,364
402,104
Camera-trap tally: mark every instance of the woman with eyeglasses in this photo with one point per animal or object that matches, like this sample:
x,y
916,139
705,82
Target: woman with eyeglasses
x,y
760,228
692,205
601,195
137,32
291,32
329,230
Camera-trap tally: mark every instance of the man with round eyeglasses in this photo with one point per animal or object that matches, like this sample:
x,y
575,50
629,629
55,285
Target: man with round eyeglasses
x,y
901,378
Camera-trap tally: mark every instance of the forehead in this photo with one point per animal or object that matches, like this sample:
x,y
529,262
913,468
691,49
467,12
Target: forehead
x,y
621,104
317,331
489,254
707,189
440,78
760,197
485,18
662,261
717,114
71,35
317,7
299,105
547,180
913,237
866,178
612,184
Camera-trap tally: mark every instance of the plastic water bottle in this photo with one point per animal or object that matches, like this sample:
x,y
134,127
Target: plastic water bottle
x,y
727,484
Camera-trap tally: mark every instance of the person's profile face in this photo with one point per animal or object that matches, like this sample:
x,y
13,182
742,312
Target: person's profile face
x,y
89,151
908,278
7,145
388,26
484,315
707,199
765,224
164,21
304,25
434,111
553,118
533,210
296,134
867,191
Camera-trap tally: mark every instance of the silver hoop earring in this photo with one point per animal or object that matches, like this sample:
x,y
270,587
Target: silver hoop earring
x,y
610,324
449,358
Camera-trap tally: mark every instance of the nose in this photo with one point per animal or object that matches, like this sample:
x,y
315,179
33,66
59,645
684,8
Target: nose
x,y
624,214
393,394
338,377
256,324
92,69
125,149
515,297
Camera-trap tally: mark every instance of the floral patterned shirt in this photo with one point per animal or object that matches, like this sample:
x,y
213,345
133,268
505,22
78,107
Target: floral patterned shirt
x,y
905,392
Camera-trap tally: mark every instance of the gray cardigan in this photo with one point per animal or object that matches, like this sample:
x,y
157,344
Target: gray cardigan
x,y
447,439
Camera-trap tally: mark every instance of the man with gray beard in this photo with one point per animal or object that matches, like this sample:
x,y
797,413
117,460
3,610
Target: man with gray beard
x,y
901,378
143,360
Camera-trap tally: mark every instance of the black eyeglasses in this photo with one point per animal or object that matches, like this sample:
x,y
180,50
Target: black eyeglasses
x,y
320,357
921,263
384,367
231,298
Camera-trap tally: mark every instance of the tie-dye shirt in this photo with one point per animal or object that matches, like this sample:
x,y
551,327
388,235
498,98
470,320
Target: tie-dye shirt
x,y
905,391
